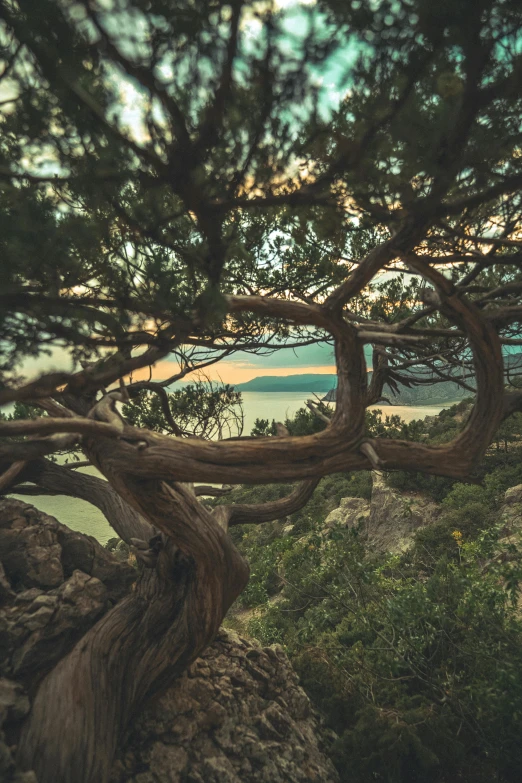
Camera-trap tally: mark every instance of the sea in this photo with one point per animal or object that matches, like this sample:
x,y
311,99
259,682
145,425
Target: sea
x,y
82,516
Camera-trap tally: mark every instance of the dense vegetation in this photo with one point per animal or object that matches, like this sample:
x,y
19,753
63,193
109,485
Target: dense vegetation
x,y
414,659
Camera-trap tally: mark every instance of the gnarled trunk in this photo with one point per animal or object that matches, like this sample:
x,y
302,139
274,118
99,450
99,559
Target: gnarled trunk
x,y
144,642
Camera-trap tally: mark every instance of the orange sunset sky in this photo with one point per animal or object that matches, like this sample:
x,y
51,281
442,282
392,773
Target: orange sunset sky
x,y
232,372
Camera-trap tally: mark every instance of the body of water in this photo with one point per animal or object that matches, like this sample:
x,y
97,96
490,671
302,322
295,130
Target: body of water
x,y
82,516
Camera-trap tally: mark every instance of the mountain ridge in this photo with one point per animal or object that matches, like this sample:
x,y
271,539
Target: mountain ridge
x,y
306,382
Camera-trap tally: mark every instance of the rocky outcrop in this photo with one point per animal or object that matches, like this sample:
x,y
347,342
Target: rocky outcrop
x,y
511,509
511,516
389,520
394,517
55,584
14,706
237,716
351,512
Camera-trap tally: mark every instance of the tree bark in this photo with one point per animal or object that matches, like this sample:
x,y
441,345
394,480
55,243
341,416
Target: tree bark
x,y
141,645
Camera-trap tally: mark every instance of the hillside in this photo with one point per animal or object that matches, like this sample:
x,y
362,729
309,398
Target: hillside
x,y
389,593
436,394
311,382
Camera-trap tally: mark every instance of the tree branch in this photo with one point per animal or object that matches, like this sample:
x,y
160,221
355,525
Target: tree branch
x,y
257,513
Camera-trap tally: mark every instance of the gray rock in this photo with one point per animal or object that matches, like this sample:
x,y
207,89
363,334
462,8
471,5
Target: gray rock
x,y
351,512
38,552
56,583
237,716
54,628
14,706
6,593
511,515
513,495
394,517
389,520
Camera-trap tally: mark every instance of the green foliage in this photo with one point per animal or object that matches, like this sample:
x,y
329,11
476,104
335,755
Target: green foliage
x,y
420,674
305,422
415,660
509,432
21,411
204,409
263,427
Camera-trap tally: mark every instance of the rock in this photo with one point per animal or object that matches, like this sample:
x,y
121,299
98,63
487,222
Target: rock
x,y
394,517
237,716
351,512
511,514
5,587
14,706
55,584
389,520
37,551
513,495
14,703
54,628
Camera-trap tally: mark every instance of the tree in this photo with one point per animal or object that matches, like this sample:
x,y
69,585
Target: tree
x,y
176,181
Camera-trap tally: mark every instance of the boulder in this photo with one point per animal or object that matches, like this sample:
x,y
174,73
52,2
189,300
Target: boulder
x,y
54,584
351,512
389,520
38,551
511,515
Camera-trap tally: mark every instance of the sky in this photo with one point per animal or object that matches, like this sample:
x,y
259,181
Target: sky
x,y
245,366
240,368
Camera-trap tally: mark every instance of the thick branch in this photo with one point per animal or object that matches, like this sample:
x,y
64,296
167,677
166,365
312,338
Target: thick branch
x,y
204,490
257,513
51,425
60,480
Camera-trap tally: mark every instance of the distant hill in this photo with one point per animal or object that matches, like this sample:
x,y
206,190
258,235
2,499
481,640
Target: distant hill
x,y
438,394
311,382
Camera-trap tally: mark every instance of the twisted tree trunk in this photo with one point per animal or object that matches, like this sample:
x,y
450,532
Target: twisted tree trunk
x,y
145,641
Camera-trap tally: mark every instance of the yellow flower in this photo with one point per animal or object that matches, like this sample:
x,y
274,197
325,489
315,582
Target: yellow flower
x,y
457,535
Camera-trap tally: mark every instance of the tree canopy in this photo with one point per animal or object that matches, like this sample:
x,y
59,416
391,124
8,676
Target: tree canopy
x,y
192,180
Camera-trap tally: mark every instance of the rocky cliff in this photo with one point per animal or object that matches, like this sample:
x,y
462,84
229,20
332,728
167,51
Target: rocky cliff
x,y
237,716
389,519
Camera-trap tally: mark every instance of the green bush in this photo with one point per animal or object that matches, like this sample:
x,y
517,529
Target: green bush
x,y
415,660
419,673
